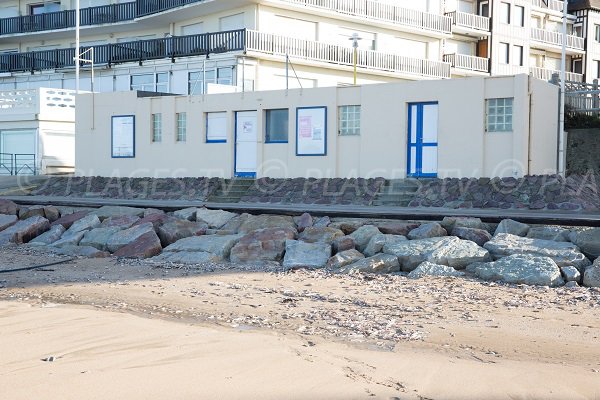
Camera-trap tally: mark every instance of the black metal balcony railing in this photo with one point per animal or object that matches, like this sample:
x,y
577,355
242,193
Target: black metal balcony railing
x,y
146,7
139,51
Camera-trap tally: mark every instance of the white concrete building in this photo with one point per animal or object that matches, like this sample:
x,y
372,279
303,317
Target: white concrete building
x,y
474,127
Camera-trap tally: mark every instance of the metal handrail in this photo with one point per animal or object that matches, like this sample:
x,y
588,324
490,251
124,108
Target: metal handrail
x,y
6,166
27,164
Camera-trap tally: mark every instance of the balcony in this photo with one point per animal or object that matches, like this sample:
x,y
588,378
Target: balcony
x,y
147,7
469,23
546,74
552,5
41,104
280,46
554,40
468,63
377,11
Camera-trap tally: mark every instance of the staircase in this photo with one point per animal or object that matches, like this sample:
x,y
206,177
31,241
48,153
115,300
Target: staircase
x,y
397,192
231,190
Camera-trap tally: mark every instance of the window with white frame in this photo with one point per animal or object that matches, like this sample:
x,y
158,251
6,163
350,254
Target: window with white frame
x,y
505,13
157,128
181,127
597,32
216,127
499,115
198,80
519,18
349,120
503,53
44,7
158,82
518,55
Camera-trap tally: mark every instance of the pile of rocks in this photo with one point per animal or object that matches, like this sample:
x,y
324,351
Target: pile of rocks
x,y
510,251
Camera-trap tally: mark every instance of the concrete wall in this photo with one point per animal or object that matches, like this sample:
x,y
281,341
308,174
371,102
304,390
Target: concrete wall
x,y
465,148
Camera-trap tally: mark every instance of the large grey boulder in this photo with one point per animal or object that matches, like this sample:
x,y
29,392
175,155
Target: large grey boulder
x,y
563,254
343,243
323,235
255,222
86,223
67,220
396,227
591,276
8,207
449,250
215,244
425,231
378,264
299,254
303,221
450,223
99,237
188,214
344,258
214,218
69,239
120,221
50,236
145,246
31,211
51,213
127,236
479,236
556,233
521,269
25,230
430,269
175,229
362,236
377,243
262,245
112,211
570,274
588,241
512,227
186,257
7,221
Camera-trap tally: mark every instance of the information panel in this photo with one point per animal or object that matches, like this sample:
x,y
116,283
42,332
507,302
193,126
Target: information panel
x,y
123,136
311,131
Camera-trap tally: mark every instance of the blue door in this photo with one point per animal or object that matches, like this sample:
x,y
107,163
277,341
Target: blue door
x,y
422,139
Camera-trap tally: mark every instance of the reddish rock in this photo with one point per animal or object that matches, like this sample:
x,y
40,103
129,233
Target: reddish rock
x,y
70,219
343,243
262,245
325,235
7,221
146,246
25,230
304,221
33,211
396,227
8,207
51,213
175,229
120,221
156,219
479,236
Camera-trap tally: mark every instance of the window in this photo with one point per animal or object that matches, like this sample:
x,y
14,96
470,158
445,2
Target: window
x,y
162,82
503,53
198,80
216,127
157,128
151,82
519,19
577,66
232,22
46,7
518,55
277,126
349,120
499,115
505,13
597,33
484,9
597,68
181,127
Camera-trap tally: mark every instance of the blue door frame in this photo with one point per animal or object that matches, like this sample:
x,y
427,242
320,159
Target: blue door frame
x,y
418,144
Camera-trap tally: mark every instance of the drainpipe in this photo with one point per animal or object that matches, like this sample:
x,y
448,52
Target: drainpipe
x,y
530,95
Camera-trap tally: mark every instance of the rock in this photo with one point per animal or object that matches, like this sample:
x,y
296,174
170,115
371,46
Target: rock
x,y
152,211
562,253
362,236
127,236
99,237
215,244
120,221
262,245
7,221
82,251
449,223
176,229
86,223
265,221
479,236
186,257
214,218
521,269
145,246
188,214
322,222
69,239
449,250
588,241
67,220
378,241
378,264
299,254
512,227
425,231
556,233
571,285
303,221
396,227
113,211
430,269
323,235
342,244
51,213
570,274
8,207
25,230
235,223
591,276
33,211
156,219
348,225
344,258
50,236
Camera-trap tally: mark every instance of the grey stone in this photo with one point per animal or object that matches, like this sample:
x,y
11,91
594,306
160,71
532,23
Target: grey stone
x,y
31,211
430,269
128,236
25,230
67,220
255,222
343,243
50,236
556,233
69,239
572,285
378,241
512,227
344,258
99,237
7,221
152,211
120,221
479,236
588,241
113,211
591,276
450,223
176,229
396,227
235,223
570,273
426,231
145,246
348,225
322,222
316,234
521,269
81,251
51,213
189,214
86,223
562,253
214,218
362,236
8,207
299,254
215,244
303,221
186,257
262,245
378,264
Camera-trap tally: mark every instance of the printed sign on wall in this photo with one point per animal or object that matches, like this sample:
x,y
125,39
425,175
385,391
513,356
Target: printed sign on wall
x,y
123,136
311,131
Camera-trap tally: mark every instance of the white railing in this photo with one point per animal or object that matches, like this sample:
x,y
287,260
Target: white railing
x,y
47,103
472,63
334,54
382,12
546,74
555,38
467,20
18,100
554,5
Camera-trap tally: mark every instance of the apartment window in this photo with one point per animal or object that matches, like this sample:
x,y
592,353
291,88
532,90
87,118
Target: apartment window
x,y
499,115
578,30
349,120
597,32
597,68
45,7
151,82
484,9
519,19
216,127
277,126
157,128
518,55
503,53
505,13
198,81
181,127
162,82
577,66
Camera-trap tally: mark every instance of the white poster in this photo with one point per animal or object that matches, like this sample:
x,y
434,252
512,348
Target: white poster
x,y
123,136
311,131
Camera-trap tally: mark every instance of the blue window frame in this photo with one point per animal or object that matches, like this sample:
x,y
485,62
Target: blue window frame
x,y
277,125
216,127
422,140
311,131
122,136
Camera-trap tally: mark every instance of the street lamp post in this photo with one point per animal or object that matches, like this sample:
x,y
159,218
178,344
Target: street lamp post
x,y
563,67
355,38
77,50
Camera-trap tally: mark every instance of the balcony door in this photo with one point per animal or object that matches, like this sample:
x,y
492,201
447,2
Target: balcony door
x,y
423,139
246,144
